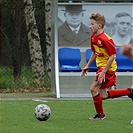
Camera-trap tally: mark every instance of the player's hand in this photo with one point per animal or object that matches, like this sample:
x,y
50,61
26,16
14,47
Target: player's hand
x,y
84,71
126,49
101,77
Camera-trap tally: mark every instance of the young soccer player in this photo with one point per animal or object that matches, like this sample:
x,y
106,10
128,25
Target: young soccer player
x,y
104,52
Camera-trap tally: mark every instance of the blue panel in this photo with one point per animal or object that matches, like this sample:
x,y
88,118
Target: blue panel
x,y
123,62
69,59
93,67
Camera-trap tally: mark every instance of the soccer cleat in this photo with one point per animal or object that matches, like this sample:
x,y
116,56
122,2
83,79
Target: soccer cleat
x,y
131,90
98,117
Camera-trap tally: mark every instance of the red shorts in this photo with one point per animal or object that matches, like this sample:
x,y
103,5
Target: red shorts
x,y
110,79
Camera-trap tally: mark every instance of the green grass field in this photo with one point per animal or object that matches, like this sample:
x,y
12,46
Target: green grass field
x,y
68,116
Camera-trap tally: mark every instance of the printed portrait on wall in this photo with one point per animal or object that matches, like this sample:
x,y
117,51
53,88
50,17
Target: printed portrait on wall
x,y
74,22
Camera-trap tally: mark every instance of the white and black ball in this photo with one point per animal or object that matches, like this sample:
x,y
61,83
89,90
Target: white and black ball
x,y
42,112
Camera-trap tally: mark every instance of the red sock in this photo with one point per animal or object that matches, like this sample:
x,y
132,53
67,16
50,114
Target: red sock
x,y
98,104
118,93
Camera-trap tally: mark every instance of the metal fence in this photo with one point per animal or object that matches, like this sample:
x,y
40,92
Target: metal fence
x,y
15,61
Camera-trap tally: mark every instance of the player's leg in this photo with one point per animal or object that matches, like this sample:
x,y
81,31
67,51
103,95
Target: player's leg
x,y
131,92
103,93
121,92
97,101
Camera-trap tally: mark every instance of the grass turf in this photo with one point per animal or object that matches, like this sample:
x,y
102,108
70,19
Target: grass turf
x,y
68,116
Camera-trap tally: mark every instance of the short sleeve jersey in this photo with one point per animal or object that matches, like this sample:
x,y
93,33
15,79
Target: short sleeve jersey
x,y
103,46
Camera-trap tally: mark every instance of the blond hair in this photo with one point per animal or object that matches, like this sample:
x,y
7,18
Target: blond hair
x,y
99,18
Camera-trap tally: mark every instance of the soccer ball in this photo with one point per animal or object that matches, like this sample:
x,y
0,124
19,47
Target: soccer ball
x,y
42,112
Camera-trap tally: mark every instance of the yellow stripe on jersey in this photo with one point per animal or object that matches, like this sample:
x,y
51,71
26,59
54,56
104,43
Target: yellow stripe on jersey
x,y
102,58
107,36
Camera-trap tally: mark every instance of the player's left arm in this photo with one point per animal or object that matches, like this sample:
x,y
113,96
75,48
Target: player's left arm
x,y
109,63
101,77
111,51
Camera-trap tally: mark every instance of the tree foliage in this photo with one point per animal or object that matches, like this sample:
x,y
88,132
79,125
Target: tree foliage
x,y
14,35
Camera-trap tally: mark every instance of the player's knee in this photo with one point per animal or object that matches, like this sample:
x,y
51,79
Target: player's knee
x,y
104,98
93,91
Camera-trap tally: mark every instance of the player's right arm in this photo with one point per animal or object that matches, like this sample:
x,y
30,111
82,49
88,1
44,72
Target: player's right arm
x,y
85,69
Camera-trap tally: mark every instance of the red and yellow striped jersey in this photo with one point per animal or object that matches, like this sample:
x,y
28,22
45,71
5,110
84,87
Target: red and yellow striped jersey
x,y
103,46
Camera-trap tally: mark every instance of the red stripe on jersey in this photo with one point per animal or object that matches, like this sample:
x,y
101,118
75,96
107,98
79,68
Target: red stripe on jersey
x,y
103,40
